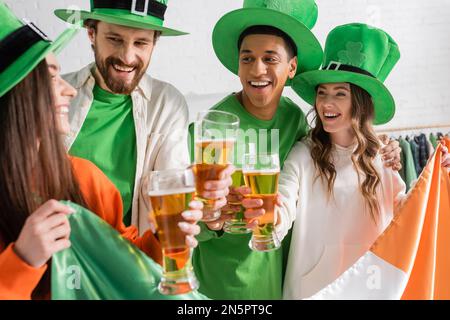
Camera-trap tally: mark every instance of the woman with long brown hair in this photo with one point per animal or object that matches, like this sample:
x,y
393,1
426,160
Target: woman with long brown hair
x,y
35,170
334,184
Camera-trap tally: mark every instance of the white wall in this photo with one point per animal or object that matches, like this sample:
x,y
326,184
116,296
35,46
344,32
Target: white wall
x,y
420,82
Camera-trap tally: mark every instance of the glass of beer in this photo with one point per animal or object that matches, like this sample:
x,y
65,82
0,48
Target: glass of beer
x,y
170,192
237,224
214,136
261,173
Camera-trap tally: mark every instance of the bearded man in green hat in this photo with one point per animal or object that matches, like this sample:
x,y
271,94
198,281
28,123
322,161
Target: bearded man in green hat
x,y
123,120
266,43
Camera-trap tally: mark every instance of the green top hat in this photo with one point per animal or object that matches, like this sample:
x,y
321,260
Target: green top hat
x,y
140,14
22,47
358,54
293,17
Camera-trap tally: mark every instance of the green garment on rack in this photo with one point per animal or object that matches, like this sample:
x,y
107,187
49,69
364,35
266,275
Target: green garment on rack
x,y
433,140
408,172
415,154
101,264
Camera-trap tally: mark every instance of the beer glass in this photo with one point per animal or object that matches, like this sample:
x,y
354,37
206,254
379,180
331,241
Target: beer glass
x,y
261,173
237,224
214,136
170,192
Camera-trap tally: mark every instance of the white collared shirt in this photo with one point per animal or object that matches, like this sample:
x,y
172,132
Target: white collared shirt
x,y
160,116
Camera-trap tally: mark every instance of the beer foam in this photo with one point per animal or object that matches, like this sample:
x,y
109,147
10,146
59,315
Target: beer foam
x,y
160,193
268,171
223,141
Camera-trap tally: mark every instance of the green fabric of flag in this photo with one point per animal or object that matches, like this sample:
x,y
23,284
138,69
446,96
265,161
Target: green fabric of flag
x,y
101,264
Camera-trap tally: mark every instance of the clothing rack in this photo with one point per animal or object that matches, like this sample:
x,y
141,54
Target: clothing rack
x,y
432,127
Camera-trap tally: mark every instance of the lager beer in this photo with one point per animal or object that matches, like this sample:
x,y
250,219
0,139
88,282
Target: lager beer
x,y
170,193
261,174
214,135
167,210
237,224
264,186
238,178
211,158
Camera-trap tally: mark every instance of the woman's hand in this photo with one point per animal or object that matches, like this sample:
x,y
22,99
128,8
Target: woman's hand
x,y
45,232
253,208
390,153
445,161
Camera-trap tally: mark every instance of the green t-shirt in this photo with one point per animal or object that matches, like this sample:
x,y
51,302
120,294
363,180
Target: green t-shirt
x,y
108,139
224,263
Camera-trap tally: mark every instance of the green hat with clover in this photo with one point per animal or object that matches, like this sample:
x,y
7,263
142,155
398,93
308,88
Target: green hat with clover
x,y
140,14
295,18
22,47
359,54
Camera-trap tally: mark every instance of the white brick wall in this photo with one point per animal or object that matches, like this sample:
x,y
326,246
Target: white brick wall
x,y
420,83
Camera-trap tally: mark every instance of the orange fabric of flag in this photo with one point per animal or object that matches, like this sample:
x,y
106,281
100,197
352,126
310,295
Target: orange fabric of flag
x,y
430,275
412,254
425,214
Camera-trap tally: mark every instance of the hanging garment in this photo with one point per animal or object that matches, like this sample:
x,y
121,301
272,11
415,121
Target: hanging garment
x,y
415,152
430,147
101,264
410,259
408,167
424,154
433,140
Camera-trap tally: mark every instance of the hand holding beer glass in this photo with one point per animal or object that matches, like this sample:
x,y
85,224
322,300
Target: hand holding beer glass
x,y
237,223
214,136
170,193
261,173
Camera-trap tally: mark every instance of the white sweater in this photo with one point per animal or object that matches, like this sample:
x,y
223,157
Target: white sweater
x,y
329,236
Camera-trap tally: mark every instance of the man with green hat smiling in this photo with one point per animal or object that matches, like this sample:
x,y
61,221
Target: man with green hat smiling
x,y
266,43
123,120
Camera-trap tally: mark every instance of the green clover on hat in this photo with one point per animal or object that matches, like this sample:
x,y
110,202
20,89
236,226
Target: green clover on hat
x,y
359,54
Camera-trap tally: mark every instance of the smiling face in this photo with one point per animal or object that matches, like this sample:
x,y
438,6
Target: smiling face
x,y
334,106
122,55
63,93
264,67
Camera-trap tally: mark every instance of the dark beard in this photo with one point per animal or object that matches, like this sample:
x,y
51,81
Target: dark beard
x,y
115,85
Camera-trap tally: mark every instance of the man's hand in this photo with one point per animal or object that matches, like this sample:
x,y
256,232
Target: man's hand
x,y
189,226
218,189
235,196
390,153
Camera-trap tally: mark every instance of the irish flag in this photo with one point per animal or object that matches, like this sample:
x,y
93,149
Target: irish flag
x,y
411,259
